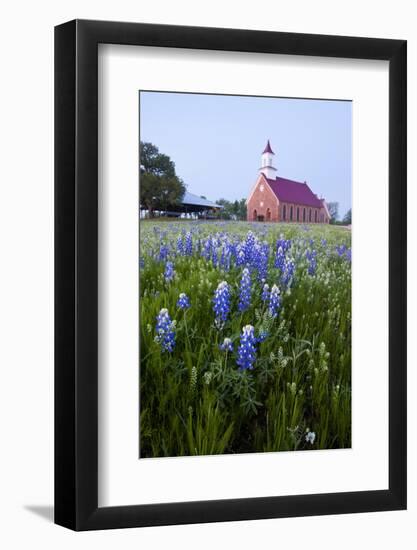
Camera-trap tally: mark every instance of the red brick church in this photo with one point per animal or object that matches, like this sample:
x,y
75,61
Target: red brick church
x,y
276,199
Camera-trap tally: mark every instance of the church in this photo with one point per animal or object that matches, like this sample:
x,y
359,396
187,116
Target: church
x,y
276,199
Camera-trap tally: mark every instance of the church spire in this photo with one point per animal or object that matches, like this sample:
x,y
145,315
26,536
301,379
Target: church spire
x,y
268,149
267,165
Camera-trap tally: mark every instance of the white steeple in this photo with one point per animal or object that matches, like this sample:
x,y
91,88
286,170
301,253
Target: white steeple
x,y
267,167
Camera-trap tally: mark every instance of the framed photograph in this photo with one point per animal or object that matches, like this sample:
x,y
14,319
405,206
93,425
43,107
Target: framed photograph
x,y
230,255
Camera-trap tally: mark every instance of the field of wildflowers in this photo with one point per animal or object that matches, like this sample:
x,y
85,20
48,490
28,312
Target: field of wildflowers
x,y
245,338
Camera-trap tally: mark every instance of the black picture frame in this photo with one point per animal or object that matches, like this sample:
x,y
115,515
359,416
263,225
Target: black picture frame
x,y
76,272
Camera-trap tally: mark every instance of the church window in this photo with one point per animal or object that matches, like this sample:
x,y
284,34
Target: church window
x,y
284,212
291,214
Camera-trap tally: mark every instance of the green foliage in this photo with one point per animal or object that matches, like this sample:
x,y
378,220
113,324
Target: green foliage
x,y
232,210
160,187
195,400
347,218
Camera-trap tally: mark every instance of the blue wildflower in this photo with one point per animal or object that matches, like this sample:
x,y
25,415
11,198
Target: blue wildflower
x,y
260,261
245,290
188,250
169,272
180,245
312,261
183,301
263,335
225,256
349,255
163,252
206,250
165,331
341,249
221,303
249,246
227,345
288,272
265,293
246,353
240,255
274,301
280,258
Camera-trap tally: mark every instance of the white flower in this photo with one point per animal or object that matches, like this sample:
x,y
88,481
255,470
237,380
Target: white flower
x,y
310,437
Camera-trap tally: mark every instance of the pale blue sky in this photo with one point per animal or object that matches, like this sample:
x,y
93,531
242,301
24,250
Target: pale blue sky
x,y
216,141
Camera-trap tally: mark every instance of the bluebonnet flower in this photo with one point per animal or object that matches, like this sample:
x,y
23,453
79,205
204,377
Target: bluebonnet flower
x,y
246,353
142,262
265,293
274,301
310,437
312,261
341,249
183,301
248,246
283,245
180,245
288,272
221,303
227,345
260,261
323,242
188,250
263,335
163,252
349,255
206,250
225,256
169,272
240,255
245,290
215,255
165,331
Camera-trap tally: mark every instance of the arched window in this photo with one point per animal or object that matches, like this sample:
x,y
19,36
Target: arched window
x,y
255,215
304,214
298,214
309,215
315,216
268,215
284,212
291,212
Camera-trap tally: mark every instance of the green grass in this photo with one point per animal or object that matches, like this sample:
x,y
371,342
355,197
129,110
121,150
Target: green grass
x,y
195,400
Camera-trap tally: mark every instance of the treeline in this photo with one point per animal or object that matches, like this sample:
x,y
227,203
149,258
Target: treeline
x,y
232,210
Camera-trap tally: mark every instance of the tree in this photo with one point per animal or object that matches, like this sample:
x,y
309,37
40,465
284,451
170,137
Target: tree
x,y
333,208
160,187
235,210
347,219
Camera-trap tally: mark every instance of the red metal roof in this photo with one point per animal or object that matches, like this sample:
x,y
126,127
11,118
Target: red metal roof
x,y
294,192
268,149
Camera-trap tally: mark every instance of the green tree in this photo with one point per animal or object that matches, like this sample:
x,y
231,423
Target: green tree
x,y
242,212
160,187
347,219
333,208
235,210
